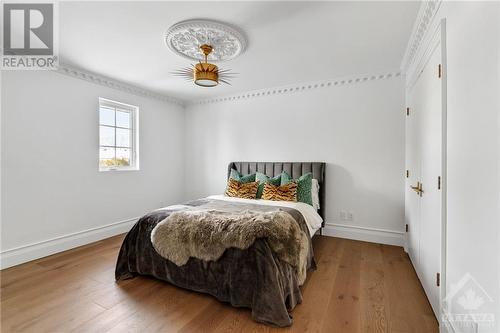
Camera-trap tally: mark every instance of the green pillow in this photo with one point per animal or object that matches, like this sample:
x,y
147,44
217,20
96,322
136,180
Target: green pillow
x,y
304,186
242,179
263,179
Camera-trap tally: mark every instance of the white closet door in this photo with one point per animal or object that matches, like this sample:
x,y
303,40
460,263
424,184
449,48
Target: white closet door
x,y
424,162
430,138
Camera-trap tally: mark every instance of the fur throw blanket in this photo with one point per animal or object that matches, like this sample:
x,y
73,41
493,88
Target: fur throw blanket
x,y
206,234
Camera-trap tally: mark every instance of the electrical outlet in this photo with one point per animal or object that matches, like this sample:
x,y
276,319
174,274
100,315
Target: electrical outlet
x,y
349,216
343,215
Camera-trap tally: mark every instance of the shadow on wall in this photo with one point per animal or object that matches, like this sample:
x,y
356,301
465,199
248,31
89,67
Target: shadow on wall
x,y
371,206
372,203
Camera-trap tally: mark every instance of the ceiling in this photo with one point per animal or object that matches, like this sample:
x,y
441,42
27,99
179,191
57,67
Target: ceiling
x,y
288,42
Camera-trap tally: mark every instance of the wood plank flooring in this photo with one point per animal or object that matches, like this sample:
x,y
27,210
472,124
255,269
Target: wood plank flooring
x,y
358,287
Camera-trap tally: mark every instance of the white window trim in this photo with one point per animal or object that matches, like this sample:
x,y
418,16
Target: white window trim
x,y
134,110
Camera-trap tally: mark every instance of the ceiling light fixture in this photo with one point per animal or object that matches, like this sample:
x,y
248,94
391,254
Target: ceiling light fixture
x,y
205,40
204,73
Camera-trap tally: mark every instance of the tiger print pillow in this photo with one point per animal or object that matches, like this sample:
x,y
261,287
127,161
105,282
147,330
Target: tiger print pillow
x,y
287,192
241,190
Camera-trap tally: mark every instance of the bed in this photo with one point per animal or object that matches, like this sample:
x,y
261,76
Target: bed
x,y
255,277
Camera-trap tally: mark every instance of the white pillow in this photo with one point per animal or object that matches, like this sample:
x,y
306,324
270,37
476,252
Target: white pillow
x,y
315,193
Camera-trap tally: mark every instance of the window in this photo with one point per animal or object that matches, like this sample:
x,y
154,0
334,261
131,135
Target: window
x,y
118,137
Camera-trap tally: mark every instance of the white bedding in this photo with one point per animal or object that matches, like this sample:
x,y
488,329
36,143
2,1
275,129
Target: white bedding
x,y
311,216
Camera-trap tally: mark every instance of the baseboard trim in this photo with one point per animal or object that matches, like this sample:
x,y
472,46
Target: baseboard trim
x,y
447,326
374,235
25,253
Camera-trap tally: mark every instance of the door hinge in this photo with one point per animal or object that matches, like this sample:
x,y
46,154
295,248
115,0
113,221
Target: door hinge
x,y
407,111
407,173
439,70
438,279
439,182
406,227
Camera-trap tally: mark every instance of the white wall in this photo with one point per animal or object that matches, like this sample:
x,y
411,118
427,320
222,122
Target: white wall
x,y
473,170
473,148
51,186
358,129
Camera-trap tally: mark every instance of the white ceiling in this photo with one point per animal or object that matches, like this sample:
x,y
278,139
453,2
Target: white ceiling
x,y
288,42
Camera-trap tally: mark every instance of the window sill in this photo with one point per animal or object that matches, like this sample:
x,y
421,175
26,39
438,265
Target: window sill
x,y
118,169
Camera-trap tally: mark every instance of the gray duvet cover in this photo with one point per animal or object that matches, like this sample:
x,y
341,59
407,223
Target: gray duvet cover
x,y
255,277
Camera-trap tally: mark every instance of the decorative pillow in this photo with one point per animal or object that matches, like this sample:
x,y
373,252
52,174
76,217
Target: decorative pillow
x,y
315,193
241,190
263,179
242,179
286,192
304,186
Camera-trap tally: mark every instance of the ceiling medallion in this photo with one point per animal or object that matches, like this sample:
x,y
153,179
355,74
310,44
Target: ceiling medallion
x,y
185,38
204,41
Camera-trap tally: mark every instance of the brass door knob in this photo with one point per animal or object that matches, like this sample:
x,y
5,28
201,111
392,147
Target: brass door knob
x,y
418,189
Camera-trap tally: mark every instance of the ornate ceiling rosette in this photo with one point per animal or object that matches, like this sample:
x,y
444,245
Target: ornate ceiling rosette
x,y
186,37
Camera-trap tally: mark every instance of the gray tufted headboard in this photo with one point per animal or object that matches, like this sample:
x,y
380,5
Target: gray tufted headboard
x,y
294,169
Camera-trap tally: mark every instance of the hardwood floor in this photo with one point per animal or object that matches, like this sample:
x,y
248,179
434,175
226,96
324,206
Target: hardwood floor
x,y
358,287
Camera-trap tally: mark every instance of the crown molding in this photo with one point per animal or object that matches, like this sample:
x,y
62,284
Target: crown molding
x,y
298,87
278,90
425,16
115,84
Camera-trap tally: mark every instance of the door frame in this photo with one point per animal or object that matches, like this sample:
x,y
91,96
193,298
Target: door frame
x,y
437,39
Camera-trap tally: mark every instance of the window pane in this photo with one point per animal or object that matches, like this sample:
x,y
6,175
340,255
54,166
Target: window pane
x,y
106,116
122,137
123,119
106,136
107,157
116,135
123,156
106,153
